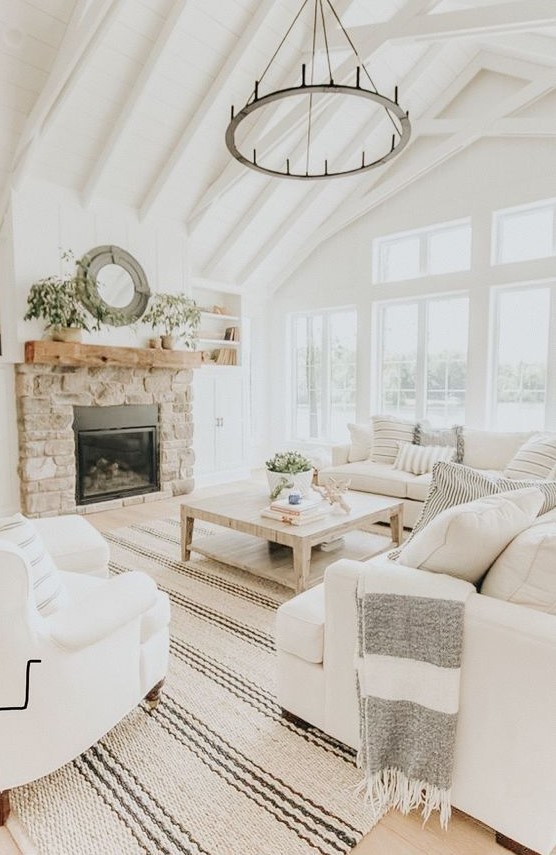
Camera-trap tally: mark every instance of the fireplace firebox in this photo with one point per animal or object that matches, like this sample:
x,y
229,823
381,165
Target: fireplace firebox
x,y
116,452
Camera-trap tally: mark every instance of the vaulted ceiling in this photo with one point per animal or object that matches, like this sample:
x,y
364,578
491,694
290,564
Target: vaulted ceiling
x,y
127,101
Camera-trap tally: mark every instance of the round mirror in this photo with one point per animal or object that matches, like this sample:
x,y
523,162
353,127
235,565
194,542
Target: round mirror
x,y
114,286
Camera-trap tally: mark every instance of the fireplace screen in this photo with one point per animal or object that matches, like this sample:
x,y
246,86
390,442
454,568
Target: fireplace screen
x,y
116,452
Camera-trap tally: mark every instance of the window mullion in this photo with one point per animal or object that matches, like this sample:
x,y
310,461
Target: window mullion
x,y
421,366
325,375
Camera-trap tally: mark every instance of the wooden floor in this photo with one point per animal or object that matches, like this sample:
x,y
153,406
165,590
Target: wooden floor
x,y
395,834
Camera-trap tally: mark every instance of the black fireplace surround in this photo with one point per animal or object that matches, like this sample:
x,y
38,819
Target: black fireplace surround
x,y
116,452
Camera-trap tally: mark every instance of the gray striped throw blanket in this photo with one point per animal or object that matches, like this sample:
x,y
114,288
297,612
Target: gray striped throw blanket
x,y
410,626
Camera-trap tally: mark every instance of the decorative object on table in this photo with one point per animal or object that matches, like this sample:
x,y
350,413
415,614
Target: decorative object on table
x,y
175,316
289,470
155,343
416,771
333,491
57,300
319,94
113,284
294,497
305,510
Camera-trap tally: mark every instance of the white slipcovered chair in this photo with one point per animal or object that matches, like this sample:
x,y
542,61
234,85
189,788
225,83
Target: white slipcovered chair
x,y
72,669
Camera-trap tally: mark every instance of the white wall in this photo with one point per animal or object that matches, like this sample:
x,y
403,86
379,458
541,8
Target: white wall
x,y
491,174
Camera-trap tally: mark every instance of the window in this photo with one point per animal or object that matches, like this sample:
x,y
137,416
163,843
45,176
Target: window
x,y
324,352
438,249
422,359
522,321
524,233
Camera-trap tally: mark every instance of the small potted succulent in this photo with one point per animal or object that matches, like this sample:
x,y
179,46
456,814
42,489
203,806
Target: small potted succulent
x,y
173,316
289,470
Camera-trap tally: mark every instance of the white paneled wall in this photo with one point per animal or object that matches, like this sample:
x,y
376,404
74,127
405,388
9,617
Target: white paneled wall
x,y
48,219
9,484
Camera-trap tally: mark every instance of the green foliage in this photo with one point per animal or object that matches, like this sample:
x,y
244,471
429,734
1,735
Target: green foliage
x,y
173,313
289,461
57,301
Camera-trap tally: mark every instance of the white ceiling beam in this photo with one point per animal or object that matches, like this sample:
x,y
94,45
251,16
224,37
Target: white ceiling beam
x,y
231,174
215,90
511,127
350,211
531,47
85,30
476,21
134,101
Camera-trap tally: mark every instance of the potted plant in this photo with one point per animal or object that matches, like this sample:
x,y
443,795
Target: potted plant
x,y
289,470
174,316
56,300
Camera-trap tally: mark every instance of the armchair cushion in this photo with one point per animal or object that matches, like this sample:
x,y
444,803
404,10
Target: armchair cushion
x,y
48,587
74,544
300,625
102,610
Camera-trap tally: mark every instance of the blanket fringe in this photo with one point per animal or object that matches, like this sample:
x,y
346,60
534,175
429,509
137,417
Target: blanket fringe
x,y
391,788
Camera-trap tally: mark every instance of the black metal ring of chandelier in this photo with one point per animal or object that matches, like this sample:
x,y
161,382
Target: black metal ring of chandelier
x,y
389,105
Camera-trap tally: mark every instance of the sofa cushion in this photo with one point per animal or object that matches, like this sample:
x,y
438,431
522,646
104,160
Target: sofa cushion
x,y
454,484
419,459
388,431
426,435
418,487
48,587
485,449
536,458
464,540
300,625
524,572
361,442
371,478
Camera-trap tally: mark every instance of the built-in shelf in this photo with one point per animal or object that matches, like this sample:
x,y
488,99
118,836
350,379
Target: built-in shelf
x,y
219,342
71,353
217,316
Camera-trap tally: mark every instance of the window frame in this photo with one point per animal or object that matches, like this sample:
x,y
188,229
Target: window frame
x,y
377,326
496,228
424,236
325,385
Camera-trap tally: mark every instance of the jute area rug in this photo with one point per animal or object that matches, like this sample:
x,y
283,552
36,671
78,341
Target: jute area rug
x,y
215,770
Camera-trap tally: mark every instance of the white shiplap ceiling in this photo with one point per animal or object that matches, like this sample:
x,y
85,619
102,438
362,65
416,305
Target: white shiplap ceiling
x,y
128,100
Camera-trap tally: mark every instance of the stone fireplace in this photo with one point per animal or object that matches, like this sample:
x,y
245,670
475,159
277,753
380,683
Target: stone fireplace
x,y
48,398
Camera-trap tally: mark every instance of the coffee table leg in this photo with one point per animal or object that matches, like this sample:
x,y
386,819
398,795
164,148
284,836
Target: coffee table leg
x,y
301,565
186,536
396,526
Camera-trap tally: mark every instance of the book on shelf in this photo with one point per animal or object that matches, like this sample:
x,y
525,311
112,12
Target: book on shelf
x,y
292,519
308,503
226,356
231,334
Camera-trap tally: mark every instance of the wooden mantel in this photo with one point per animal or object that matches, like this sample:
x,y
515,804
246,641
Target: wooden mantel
x,y
70,353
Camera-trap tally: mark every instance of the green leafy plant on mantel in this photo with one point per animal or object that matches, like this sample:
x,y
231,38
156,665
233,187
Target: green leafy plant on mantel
x,y
289,461
174,316
57,300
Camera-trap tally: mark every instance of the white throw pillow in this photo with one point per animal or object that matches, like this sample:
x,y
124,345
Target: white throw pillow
x,y
388,431
419,459
535,459
524,572
361,442
464,541
48,586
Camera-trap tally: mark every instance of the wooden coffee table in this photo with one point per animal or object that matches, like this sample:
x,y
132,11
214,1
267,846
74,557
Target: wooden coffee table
x,y
250,542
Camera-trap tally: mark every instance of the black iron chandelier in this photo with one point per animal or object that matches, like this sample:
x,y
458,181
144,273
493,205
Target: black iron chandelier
x,y
308,166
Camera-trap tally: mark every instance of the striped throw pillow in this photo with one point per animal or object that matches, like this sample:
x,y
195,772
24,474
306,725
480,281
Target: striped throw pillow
x,y
388,431
47,582
419,459
425,435
535,459
455,484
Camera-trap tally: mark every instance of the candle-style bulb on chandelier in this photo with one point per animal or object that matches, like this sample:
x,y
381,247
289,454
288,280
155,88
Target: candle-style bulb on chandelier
x,y
314,115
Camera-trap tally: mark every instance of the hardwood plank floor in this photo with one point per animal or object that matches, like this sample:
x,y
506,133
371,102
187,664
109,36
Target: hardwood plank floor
x,y
395,834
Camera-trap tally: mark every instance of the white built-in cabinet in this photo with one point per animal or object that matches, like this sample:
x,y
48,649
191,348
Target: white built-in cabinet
x,y
219,425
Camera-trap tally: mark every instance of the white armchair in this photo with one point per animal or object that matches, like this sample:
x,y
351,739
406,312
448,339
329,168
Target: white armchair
x,y
68,677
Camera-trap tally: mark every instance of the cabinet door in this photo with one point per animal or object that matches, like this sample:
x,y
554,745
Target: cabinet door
x,y
204,420
229,417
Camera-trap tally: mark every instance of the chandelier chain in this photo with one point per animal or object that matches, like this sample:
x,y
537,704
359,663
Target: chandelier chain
x,y
276,52
326,42
310,112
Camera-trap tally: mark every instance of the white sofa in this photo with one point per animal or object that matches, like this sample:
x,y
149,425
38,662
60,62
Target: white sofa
x,y
505,757
482,450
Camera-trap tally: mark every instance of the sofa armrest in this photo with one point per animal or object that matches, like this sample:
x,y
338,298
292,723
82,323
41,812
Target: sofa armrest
x,y
340,454
103,611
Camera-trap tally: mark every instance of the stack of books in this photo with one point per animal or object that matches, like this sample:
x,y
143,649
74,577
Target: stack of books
x,y
307,510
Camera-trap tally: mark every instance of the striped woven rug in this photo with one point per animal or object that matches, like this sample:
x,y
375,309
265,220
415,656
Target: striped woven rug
x,y
215,770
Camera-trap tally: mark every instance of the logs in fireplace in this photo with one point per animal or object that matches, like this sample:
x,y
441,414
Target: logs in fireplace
x,y
116,451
